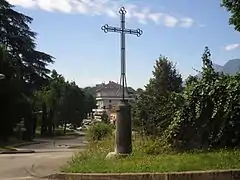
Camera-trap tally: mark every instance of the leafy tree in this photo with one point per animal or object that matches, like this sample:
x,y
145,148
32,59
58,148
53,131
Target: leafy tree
x,y
49,101
72,108
165,78
191,79
233,6
24,68
209,117
89,104
62,102
155,106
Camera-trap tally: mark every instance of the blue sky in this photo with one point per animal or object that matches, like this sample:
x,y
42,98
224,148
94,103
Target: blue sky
x,y
70,30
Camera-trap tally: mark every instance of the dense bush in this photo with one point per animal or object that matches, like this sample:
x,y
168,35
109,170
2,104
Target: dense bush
x,y
99,131
205,115
209,117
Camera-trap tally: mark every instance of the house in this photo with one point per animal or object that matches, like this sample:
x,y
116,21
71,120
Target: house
x,y
108,96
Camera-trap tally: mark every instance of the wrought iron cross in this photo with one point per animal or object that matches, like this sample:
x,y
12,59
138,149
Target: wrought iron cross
x,y
106,28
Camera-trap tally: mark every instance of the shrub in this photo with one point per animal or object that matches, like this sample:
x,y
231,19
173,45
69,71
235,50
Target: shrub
x,y
209,117
153,146
105,118
99,131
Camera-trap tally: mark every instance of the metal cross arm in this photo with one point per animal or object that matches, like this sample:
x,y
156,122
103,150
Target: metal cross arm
x,y
106,28
123,31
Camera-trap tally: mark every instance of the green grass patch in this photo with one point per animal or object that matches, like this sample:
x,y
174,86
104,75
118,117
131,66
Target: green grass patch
x,y
93,160
7,148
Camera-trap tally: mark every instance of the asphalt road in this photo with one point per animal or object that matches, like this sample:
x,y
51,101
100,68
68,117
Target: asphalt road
x,y
50,155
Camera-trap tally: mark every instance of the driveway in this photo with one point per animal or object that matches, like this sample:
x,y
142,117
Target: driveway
x,y
50,155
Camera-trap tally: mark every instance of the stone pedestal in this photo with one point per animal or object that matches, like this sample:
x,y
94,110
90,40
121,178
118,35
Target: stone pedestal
x,y
123,136
123,129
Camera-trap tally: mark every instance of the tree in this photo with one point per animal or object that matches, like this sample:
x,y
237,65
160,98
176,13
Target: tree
x,y
233,6
155,106
191,79
72,108
165,78
17,37
24,68
209,116
62,102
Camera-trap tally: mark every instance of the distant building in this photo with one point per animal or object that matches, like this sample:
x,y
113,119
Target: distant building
x,y
108,96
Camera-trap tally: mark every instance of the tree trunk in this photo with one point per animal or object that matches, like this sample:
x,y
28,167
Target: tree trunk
x,y
65,127
44,119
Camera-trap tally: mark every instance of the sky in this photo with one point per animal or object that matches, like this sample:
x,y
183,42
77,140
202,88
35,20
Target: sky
x,y
70,30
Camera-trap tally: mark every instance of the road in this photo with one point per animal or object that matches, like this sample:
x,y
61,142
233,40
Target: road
x,y
50,155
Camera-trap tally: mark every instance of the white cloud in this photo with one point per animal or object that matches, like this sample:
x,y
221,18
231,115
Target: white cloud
x,y
142,18
155,17
231,47
186,22
111,13
170,21
105,7
23,3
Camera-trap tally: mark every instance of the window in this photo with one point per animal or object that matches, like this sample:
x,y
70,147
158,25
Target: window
x,y
110,101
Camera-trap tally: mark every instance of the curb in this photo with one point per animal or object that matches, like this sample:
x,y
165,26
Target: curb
x,y
86,142
190,175
17,152
77,146
26,144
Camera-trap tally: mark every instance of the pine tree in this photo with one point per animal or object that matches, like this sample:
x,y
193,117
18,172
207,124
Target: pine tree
x,y
18,39
155,105
24,67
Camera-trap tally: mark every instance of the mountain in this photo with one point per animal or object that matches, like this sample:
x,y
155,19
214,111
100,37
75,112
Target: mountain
x,y
218,68
232,67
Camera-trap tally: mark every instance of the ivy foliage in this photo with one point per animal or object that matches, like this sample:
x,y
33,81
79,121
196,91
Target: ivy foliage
x,y
209,116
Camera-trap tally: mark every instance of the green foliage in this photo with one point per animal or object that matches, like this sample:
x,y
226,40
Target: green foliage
x,y
191,80
24,67
93,160
65,103
99,131
210,115
105,118
156,105
233,6
155,146
27,88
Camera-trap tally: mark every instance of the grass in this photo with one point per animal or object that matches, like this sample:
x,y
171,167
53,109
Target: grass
x,y
9,145
7,148
93,160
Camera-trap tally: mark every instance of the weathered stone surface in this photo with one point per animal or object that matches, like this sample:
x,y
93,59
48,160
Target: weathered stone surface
x,y
198,175
124,129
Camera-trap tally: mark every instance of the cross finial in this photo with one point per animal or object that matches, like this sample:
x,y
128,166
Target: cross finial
x,y
122,11
122,30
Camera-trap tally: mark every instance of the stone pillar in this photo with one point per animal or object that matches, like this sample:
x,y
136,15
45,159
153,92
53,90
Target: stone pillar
x,y
123,129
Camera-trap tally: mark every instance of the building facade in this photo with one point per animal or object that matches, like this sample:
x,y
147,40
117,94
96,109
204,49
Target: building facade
x,y
108,96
